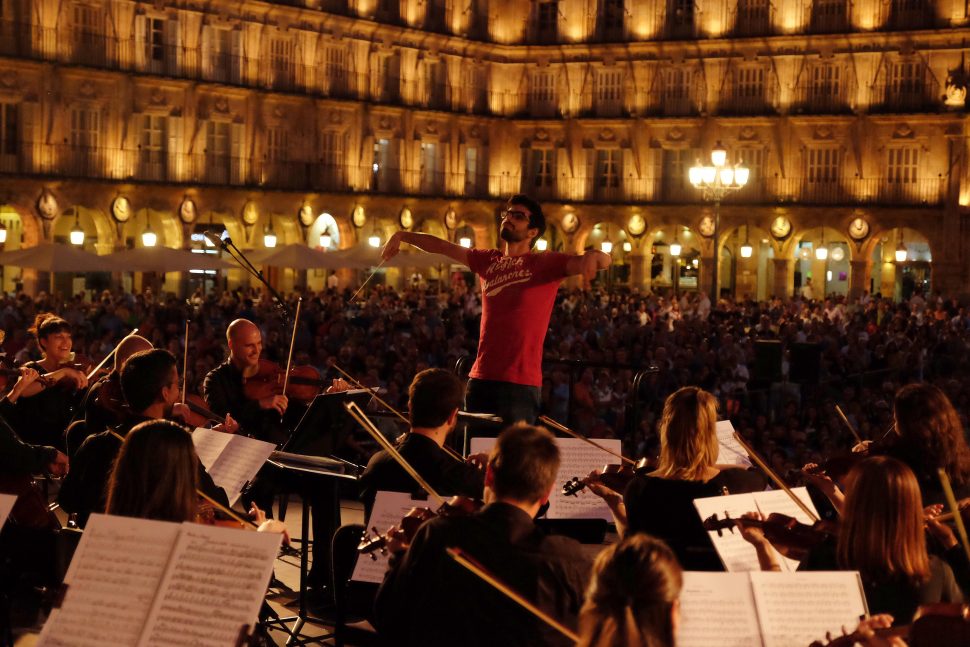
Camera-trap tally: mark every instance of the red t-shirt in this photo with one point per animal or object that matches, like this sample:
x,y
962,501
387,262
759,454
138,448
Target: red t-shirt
x,y
518,293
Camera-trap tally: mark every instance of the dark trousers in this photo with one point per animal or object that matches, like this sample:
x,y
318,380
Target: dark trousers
x,y
512,402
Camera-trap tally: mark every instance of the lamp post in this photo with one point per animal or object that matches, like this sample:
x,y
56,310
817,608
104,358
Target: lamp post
x,y
715,182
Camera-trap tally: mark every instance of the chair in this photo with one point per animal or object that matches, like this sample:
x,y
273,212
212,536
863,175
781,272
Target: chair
x,y
353,600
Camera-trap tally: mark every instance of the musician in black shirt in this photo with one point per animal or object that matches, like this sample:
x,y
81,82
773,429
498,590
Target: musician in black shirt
x,y
433,401
550,571
150,384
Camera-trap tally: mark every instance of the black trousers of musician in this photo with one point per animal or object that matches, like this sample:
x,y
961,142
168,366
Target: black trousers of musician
x,y
324,513
512,402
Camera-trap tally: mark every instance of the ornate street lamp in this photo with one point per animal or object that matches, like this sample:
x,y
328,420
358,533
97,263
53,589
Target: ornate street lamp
x,y
716,181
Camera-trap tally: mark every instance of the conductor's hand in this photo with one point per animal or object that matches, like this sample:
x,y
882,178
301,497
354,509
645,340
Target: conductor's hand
x,y
592,262
277,402
392,247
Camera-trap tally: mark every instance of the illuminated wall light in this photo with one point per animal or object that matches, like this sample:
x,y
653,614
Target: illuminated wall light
x,y
675,249
465,242
606,247
542,244
374,241
3,233
627,246
746,250
77,234
148,237
901,253
269,238
822,253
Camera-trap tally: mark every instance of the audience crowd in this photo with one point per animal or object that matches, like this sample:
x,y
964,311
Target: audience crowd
x,y
597,342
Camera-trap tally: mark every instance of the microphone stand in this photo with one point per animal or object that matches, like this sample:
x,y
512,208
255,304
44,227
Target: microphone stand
x,y
244,263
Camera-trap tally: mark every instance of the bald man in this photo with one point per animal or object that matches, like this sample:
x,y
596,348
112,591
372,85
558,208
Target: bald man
x,y
224,392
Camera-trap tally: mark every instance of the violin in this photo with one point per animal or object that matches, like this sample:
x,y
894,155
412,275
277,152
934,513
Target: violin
x,y
791,537
456,506
614,476
304,382
30,509
934,625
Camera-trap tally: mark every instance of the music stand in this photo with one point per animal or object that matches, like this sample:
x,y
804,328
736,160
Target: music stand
x,y
307,475
325,425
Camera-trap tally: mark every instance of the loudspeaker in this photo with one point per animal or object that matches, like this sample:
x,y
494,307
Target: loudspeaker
x,y
767,360
804,363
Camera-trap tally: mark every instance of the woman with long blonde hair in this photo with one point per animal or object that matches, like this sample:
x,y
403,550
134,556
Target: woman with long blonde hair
x,y
661,503
633,598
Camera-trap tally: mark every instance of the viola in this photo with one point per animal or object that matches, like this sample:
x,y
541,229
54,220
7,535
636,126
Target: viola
x,y
30,509
196,413
304,382
456,506
934,625
791,537
614,476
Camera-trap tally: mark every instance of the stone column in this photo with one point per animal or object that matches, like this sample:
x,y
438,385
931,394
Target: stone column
x,y
782,286
859,278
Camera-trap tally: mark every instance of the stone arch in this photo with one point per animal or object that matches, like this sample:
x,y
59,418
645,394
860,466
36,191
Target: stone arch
x,y
100,235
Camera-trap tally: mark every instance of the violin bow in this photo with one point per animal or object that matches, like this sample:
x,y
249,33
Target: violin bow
x,y
246,523
855,434
951,501
289,358
549,422
774,477
459,556
373,393
185,362
104,361
358,415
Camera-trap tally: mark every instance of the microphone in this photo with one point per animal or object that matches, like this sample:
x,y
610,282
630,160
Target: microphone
x,y
215,240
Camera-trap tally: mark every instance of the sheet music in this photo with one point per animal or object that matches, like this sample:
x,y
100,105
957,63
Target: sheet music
x,y
796,608
236,464
7,502
737,554
111,582
718,610
214,586
730,451
388,509
578,458
209,445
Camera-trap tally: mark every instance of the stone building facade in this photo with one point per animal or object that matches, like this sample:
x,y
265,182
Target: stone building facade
x,y
428,113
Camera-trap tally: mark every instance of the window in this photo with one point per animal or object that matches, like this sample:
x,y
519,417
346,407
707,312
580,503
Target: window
x,y
675,165
85,128
680,19
829,15
824,165
430,177
335,69
750,83
826,83
155,39
903,165
277,144
381,170
542,93
9,129
435,83
218,158
281,63
611,18
754,160
88,43
152,146
225,55
609,92
753,18
547,21
390,77
608,164
676,92
543,167
471,170
906,78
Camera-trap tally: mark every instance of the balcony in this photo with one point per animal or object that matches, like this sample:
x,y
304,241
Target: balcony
x,y
750,100
920,94
828,97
